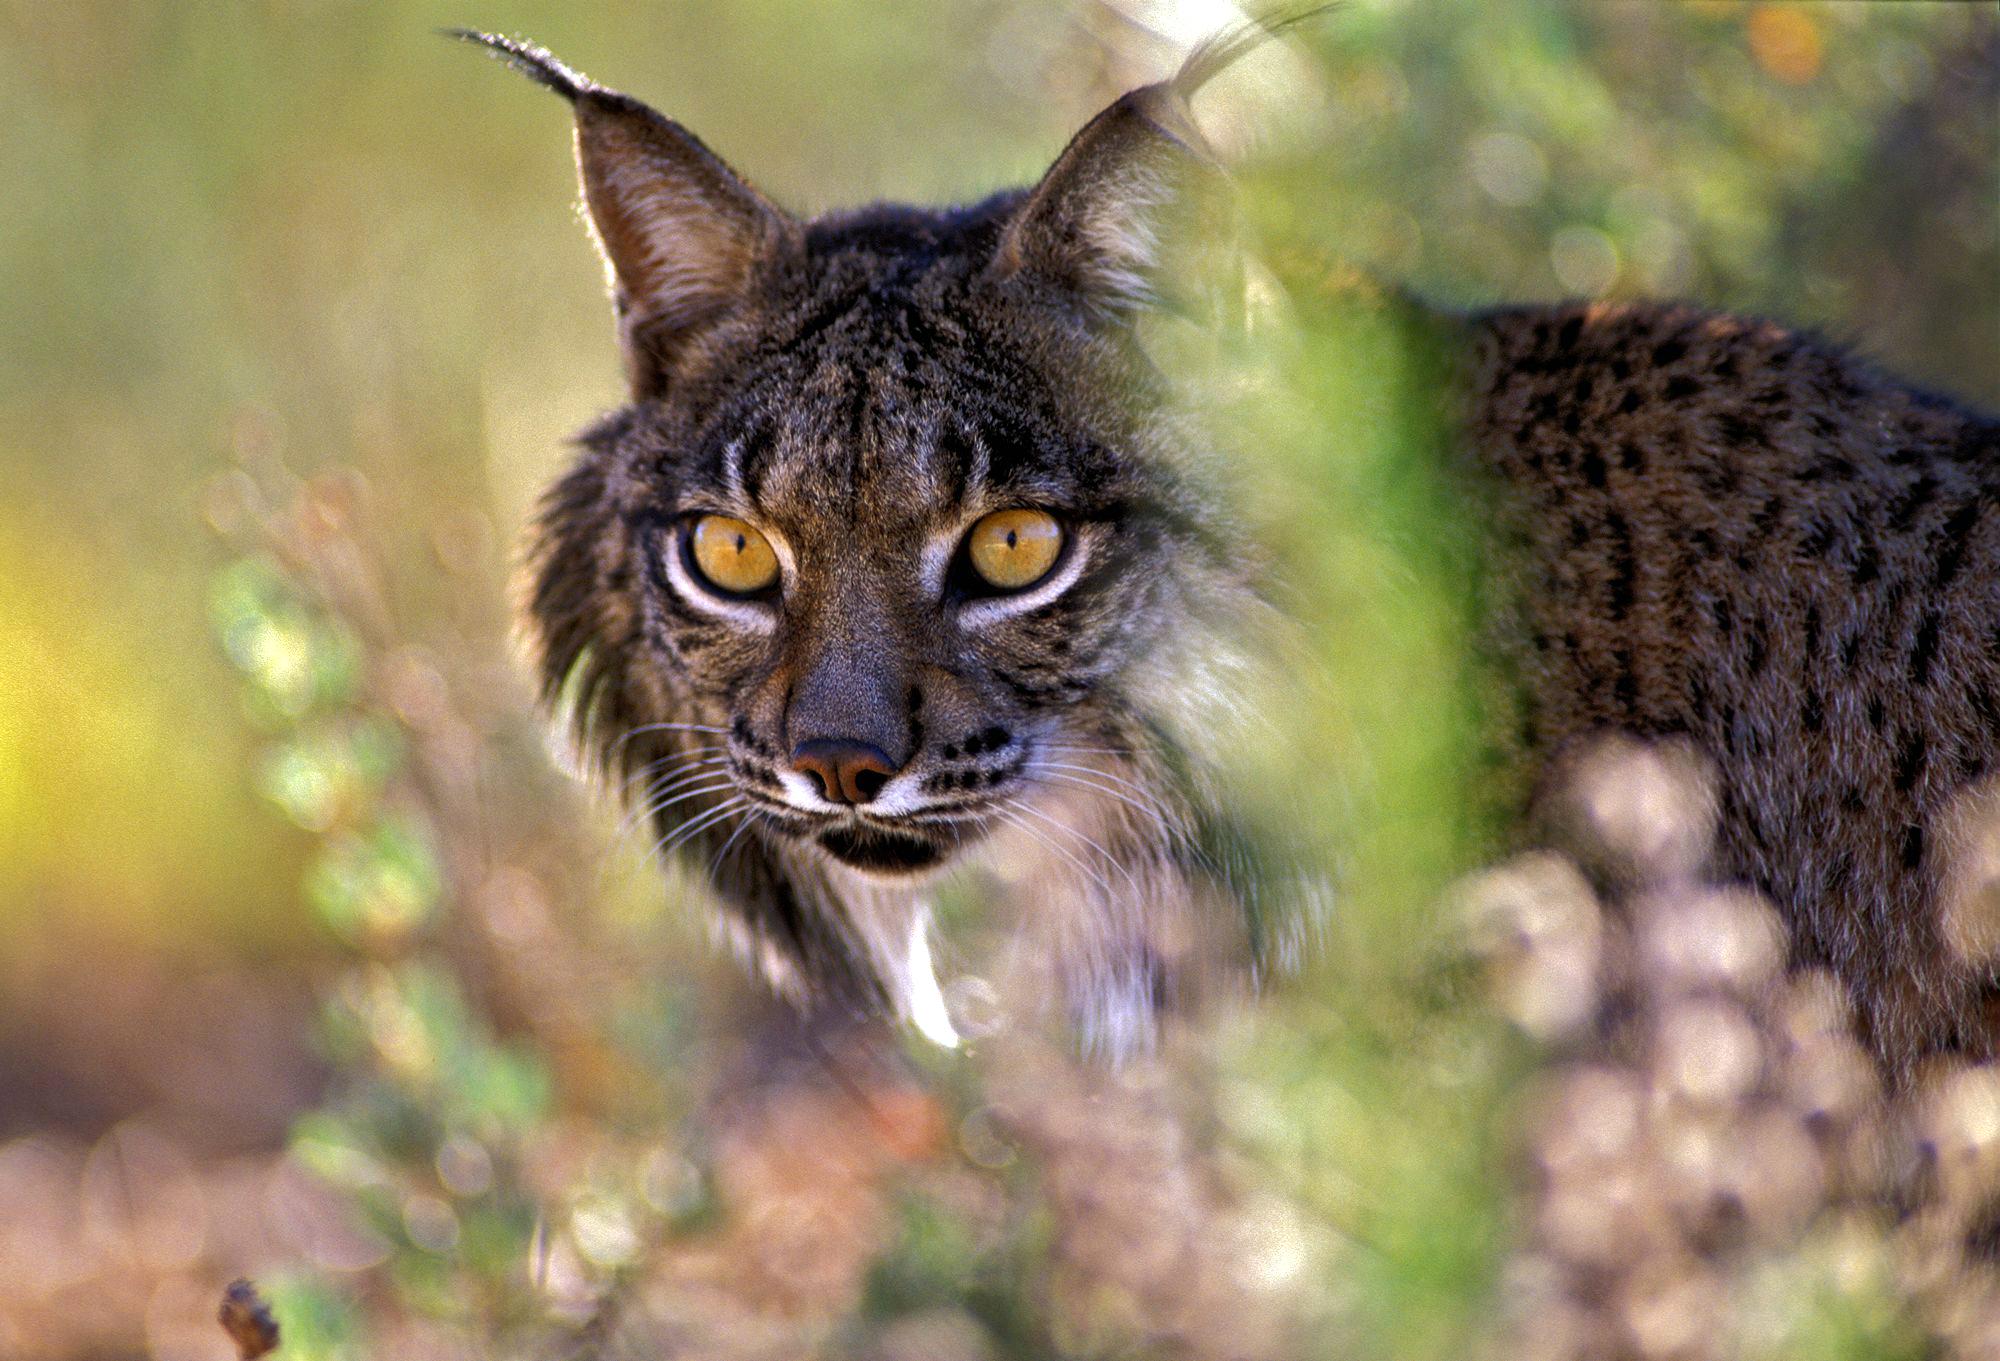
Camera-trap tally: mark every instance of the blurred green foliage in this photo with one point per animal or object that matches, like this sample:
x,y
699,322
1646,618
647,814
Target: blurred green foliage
x,y
265,241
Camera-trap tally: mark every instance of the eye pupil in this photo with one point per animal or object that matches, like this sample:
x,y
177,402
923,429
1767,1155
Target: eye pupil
x,y
1013,549
731,556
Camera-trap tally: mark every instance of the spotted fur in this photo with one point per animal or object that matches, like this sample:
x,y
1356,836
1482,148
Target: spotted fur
x,y
1722,531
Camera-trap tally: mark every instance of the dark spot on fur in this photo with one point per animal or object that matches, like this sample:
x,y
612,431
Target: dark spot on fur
x,y
1866,565
1925,651
1910,504
1957,534
1626,689
1739,430
1719,477
1624,567
1909,761
1768,514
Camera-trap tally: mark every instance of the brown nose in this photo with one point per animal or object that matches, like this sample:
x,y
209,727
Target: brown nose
x,y
847,772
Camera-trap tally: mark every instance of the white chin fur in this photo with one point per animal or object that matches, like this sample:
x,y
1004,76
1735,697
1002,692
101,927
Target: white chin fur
x,y
923,999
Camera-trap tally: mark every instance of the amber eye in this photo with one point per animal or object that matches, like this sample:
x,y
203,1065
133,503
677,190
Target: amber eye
x,y
732,556
1013,549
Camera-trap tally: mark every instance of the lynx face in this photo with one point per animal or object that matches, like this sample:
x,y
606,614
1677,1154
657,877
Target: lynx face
x,y
890,557
868,548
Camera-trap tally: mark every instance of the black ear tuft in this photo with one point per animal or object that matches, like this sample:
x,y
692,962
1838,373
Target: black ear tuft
x,y
536,63
686,239
1217,52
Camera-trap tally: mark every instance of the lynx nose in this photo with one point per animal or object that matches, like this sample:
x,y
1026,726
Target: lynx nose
x,y
847,772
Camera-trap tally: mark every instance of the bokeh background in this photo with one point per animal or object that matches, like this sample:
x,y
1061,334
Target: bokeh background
x,y
312,964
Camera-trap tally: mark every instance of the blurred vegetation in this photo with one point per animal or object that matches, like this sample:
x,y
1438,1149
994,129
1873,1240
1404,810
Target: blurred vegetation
x,y
299,319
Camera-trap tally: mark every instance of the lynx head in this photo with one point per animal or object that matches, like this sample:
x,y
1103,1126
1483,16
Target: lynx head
x,y
890,539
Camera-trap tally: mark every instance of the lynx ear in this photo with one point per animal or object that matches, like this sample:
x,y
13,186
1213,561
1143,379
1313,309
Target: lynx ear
x,y
684,237
1109,221
1099,223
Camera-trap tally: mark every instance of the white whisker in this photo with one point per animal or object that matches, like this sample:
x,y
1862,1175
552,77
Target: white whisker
x,y
718,787
1076,750
659,772
658,800
1006,814
645,728
697,824
702,769
751,815
1140,791
1109,858
1168,824
674,758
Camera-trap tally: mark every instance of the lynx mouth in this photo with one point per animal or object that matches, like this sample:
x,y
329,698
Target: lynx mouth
x,y
882,851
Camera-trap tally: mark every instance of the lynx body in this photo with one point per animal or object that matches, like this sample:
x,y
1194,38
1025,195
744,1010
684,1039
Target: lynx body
x,y
1720,531
764,591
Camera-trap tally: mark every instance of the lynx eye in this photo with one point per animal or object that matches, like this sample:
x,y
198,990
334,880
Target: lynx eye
x,y
1013,549
731,556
